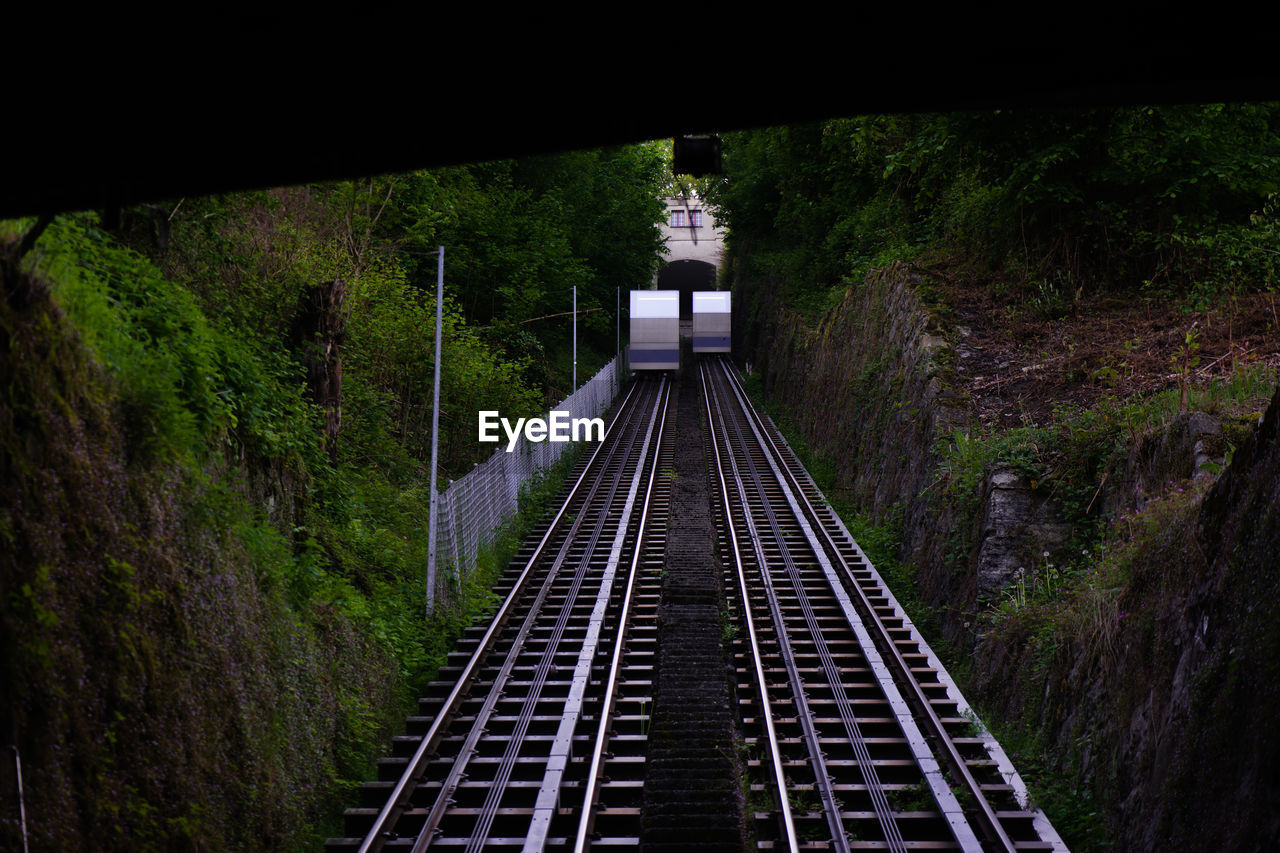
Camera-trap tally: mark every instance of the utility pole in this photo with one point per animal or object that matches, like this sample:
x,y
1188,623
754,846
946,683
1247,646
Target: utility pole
x,y
575,340
435,438
22,805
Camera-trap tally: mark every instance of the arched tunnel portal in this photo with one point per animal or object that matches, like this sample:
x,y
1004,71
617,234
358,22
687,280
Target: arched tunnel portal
x,y
686,277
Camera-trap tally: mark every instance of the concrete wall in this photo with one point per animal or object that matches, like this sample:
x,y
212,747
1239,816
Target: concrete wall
x,y
688,243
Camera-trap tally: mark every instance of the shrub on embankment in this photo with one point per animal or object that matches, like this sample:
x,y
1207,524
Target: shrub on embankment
x,y
178,671
1043,378
1081,658
1151,672
209,623
214,437
1062,205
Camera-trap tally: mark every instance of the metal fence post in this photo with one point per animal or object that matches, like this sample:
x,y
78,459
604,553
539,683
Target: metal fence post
x,y
465,515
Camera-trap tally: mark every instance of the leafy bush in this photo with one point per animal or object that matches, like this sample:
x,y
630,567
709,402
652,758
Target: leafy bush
x,y
1113,197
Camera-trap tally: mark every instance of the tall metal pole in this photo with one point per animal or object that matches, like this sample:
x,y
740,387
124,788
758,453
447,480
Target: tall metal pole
x,y
22,805
575,340
435,438
617,318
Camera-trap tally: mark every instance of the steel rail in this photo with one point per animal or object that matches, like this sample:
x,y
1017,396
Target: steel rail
x,y
880,802
822,777
779,777
549,791
591,788
945,798
545,664
375,837
990,822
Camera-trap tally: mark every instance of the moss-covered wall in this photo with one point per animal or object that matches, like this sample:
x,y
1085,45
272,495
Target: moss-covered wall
x,y
1160,690
1145,678
868,388
163,692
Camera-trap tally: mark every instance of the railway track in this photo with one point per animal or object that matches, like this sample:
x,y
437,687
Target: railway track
x,y
533,738
536,736
856,736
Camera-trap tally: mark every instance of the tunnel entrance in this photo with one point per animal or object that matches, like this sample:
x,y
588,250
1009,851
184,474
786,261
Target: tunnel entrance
x,y
686,277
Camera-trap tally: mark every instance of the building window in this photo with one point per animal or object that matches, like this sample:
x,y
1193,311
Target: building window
x,y
677,219
695,218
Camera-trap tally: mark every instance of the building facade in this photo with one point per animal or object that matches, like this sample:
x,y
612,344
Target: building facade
x,y
691,233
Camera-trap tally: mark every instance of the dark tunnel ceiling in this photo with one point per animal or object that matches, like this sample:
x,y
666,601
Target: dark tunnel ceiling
x,y
145,126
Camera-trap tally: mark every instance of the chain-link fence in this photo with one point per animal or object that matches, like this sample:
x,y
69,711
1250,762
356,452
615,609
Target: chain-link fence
x,y
472,508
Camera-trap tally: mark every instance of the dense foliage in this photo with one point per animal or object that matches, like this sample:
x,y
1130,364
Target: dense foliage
x,y
168,461
1061,268
518,236
1061,202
